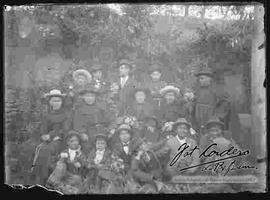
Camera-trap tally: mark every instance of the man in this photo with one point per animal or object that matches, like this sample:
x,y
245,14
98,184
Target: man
x,y
215,133
126,145
209,102
184,140
155,83
98,79
126,83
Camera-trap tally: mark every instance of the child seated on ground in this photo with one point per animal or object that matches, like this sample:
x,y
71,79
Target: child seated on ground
x,y
99,161
68,172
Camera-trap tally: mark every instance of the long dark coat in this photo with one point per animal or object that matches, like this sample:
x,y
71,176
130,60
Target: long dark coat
x,y
88,117
141,111
171,112
124,92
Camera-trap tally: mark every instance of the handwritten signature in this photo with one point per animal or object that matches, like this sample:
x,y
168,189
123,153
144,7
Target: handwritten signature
x,y
220,167
216,165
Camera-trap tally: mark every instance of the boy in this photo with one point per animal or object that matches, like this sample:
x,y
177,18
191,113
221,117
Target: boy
x,y
68,171
99,161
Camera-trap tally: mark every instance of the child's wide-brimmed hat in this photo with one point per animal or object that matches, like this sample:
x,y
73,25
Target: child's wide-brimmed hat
x,y
82,72
54,93
71,134
170,88
181,121
214,121
124,127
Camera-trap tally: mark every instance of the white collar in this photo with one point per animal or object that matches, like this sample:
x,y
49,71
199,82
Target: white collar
x,y
124,78
181,141
100,151
125,143
74,151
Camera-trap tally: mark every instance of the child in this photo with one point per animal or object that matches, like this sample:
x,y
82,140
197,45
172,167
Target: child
x,y
99,161
68,171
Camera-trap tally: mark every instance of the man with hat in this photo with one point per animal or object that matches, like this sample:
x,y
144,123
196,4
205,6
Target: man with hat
x,y
171,108
155,83
68,170
208,101
125,82
98,82
89,114
215,133
184,140
126,145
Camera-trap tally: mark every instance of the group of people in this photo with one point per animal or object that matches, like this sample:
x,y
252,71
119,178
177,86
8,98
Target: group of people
x,y
122,136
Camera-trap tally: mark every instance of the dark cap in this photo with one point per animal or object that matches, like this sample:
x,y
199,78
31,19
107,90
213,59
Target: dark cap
x,y
214,121
205,71
181,121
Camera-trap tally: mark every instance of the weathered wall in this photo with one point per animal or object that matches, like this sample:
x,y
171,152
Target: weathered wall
x,y
258,94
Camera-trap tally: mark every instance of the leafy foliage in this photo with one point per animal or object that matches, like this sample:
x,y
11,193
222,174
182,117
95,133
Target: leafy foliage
x,y
188,42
